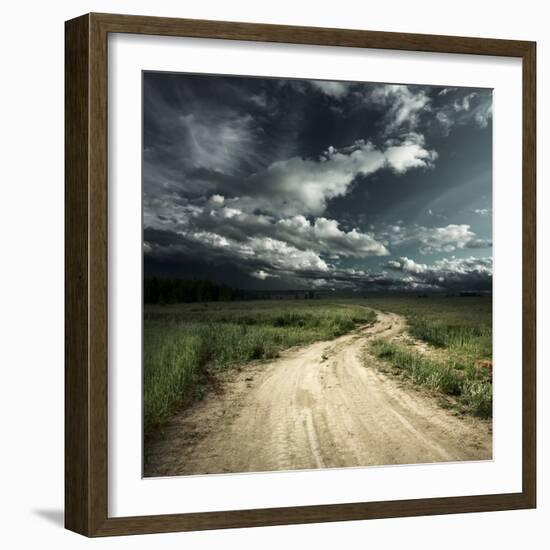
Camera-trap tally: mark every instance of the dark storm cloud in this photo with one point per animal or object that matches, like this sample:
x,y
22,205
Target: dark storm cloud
x,y
273,183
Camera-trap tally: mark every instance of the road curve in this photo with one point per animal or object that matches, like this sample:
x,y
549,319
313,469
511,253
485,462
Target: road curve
x,y
324,405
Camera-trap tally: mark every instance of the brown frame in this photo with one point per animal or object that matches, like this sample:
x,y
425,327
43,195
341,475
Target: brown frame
x,y
86,274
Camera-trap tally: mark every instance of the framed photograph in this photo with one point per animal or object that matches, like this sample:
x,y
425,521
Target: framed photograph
x,y
300,275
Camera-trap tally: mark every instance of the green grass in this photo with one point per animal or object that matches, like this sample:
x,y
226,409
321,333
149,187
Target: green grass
x,y
184,344
463,326
460,331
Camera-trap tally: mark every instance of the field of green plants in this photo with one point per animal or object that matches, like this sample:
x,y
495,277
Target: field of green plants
x,y
459,331
184,344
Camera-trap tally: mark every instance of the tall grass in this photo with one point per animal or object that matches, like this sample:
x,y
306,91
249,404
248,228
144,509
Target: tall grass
x,y
472,340
473,388
460,325
184,344
460,330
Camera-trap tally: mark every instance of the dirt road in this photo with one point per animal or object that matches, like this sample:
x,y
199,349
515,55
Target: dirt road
x,y
319,406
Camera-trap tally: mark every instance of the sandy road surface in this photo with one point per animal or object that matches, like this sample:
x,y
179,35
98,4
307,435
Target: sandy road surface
x,y
318,406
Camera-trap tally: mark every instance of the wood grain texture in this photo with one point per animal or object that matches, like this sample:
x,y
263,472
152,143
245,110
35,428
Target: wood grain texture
x,y
166,26
77,383
86,223
98,283
311,514
529,276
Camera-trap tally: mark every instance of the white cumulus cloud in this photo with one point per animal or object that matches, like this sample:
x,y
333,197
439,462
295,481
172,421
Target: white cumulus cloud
x,y
404,106
303,186
331,88
437,239
450,273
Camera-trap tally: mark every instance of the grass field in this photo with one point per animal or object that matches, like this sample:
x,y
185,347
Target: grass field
x,y
459,331
185,343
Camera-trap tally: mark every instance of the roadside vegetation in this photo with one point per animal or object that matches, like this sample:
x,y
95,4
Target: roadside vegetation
x,y
186,344
457,359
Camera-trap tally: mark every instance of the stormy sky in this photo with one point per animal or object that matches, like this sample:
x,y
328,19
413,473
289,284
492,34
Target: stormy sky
x,y
277,184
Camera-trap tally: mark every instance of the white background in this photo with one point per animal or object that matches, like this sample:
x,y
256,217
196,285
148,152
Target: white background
x,y
129,494
31,350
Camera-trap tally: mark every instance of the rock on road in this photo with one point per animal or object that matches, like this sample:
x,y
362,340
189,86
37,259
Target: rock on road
x,y
324,405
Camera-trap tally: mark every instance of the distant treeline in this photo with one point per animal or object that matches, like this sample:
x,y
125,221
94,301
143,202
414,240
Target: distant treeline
x,y
157,290
174,291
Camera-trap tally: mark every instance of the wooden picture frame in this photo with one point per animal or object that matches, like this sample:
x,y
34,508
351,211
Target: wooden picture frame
x,y
86,282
